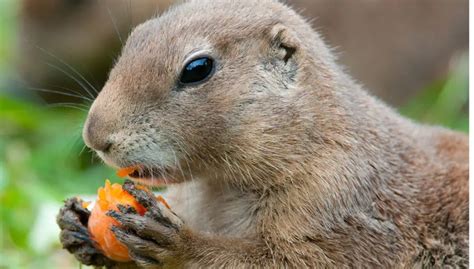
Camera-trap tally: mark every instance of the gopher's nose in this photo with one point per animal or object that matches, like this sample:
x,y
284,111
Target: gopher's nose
x,y
95,136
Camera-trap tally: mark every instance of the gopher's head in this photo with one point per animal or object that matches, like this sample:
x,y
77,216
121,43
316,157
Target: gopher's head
x,y
214,89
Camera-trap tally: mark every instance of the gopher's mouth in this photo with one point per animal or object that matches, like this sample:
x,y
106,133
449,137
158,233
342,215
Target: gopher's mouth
x,y
150,176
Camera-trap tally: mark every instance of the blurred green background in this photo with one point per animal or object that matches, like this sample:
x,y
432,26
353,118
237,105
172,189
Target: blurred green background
x,y
43,159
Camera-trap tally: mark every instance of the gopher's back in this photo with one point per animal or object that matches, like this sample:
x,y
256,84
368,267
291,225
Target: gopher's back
x,y
444,203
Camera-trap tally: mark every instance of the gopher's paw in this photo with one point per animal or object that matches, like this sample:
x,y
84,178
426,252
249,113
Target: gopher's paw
x,y
154,240
74,236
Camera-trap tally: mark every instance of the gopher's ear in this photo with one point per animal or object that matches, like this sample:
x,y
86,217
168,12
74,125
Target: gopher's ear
x,y
284,41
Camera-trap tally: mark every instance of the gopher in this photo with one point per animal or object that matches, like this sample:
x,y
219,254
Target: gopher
x,y
273,156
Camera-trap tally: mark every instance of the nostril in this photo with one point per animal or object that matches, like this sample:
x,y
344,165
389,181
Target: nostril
x,y
106,147
95,136
98,144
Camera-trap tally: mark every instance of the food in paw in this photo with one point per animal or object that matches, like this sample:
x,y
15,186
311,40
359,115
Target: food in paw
x,y
100,224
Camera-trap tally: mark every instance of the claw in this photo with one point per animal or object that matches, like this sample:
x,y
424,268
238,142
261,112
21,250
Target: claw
x,y
145,198
139,249
113,214
67,219
127,209
75,204
74,236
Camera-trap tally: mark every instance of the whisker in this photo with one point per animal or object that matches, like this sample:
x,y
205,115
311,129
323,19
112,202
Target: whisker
x,y
130,17
60,93
94,156
73,91
71,77
178,164
113,21
70,68
188,165
69,105
72,149
82,150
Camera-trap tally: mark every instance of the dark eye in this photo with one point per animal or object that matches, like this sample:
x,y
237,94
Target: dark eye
x,y
198,70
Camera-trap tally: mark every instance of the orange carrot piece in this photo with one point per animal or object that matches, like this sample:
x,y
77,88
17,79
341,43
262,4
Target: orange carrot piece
x,y
123,172
100,224
85,204
163,201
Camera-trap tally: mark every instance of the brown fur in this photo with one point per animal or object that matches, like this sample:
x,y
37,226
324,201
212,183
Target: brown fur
x,y
282,164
